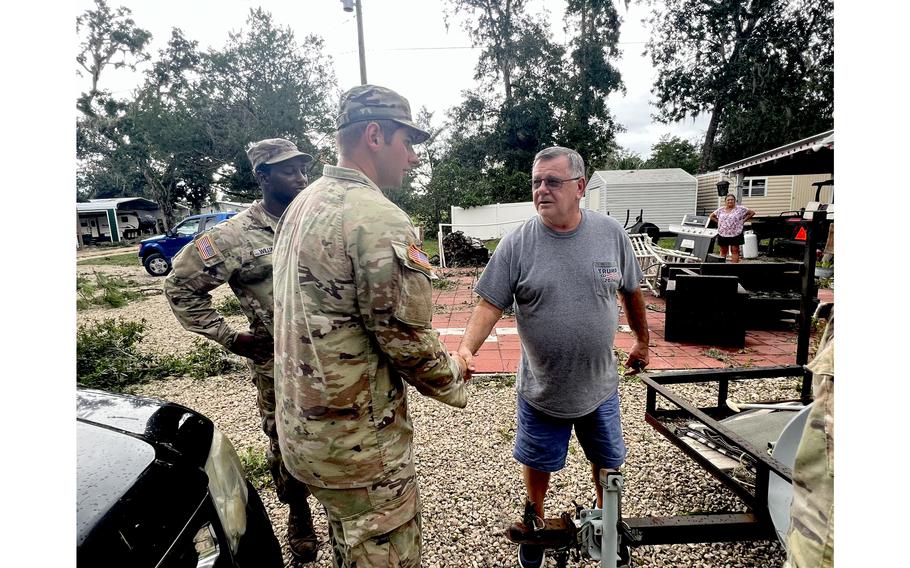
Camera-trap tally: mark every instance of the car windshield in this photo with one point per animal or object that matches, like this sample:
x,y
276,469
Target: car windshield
x,y
187,228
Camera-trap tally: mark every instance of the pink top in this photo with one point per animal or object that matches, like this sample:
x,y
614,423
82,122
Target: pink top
x,y
730,223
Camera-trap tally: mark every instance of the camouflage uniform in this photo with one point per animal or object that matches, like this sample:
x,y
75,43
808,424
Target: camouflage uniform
x,y
353,310
810,540
239,252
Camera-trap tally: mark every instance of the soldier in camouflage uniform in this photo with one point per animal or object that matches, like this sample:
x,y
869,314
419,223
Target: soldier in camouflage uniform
x,y
353,310
810,540
239,252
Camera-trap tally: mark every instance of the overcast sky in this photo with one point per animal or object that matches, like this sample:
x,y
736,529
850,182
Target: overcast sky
x,y
408,48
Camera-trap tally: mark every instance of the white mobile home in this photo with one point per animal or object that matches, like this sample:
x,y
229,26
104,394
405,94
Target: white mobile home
x,y
665,195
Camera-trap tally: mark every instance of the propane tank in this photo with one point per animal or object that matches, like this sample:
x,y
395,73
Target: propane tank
x,y
750,247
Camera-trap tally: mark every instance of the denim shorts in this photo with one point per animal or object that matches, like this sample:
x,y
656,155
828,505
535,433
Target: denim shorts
x,y
542,441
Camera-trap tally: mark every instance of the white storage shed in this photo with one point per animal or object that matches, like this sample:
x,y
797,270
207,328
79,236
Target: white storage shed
x,y
665,195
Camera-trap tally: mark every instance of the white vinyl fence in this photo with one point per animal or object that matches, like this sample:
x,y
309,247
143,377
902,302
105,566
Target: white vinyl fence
x,y
491,221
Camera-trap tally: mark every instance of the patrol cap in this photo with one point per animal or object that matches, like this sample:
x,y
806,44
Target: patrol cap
x,y
272,151
372,102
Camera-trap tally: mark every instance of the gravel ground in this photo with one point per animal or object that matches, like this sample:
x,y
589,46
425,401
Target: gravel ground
x,y
470,486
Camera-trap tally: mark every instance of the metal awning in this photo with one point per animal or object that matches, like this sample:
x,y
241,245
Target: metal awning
x,y
812,155
116,203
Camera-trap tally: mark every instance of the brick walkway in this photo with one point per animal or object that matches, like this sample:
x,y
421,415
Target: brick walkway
x,y
501,350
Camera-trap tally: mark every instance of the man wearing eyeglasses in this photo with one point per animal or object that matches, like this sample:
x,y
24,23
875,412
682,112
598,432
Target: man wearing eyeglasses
x,y
239,252
564,271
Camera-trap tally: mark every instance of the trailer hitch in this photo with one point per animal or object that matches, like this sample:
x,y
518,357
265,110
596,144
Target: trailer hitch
x,y
595,533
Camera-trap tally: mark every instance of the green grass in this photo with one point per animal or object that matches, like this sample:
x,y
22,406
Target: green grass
x,y
229,306
431,247
667,243
444,284
256,468
491,244
126,259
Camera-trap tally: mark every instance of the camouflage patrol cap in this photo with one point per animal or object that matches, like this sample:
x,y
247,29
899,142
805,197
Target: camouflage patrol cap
x,y
371,102
272,151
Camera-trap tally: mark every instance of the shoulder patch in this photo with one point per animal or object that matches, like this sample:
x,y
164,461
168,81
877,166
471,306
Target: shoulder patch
x,y
412,257
419,257
206,248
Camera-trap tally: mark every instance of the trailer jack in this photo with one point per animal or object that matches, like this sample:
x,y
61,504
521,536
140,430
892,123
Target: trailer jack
x,y
592,534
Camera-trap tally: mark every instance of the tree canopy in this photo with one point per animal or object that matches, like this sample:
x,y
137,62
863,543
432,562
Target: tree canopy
x,y
674,152
532,93
763,69
182,134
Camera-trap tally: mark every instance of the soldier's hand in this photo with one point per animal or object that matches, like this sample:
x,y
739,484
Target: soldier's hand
x,y
258,349
462,365
468,358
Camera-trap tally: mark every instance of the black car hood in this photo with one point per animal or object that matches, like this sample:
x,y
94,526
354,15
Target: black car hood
x,y
108,464
135,454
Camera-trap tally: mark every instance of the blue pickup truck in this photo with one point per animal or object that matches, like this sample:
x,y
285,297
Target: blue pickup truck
x,y
155,253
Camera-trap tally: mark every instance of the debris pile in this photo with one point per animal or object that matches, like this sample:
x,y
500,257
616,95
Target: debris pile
x,y
461,250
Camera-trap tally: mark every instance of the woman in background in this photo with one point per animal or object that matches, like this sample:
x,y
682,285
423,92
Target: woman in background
x,y
730,220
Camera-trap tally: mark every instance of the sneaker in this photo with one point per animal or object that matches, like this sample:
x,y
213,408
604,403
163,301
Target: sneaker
x,y
529,525
302,539
530,556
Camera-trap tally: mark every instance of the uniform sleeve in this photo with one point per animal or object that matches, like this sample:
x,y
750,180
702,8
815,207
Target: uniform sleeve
x,y
187,290
395,301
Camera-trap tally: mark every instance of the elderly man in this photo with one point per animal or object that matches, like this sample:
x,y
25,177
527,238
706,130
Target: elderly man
x,y
239,252
352,325
564,271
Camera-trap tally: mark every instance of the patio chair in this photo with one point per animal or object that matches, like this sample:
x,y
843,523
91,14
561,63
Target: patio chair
x,y
651,258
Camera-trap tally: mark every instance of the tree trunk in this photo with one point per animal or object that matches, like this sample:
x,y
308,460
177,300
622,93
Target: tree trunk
x,y
707,148
161,196
505,54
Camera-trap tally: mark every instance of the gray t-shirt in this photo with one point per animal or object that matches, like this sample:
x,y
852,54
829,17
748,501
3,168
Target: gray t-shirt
x,y
564,288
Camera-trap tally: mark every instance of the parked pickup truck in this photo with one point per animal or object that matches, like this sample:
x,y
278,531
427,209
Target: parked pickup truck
x,y
155,253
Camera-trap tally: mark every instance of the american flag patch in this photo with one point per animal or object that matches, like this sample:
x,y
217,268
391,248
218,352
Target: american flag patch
x,y
206,247
419,257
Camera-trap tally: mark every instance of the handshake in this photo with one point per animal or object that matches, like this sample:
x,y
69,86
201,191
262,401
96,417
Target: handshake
x,y
465,361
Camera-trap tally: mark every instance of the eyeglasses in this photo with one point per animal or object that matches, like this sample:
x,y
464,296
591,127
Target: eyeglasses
x,y
552,183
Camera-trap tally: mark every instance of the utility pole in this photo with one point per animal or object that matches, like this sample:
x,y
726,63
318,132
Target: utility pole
x,y
349,6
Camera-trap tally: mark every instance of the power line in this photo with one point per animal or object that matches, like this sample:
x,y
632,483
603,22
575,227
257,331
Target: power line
x,y
454,47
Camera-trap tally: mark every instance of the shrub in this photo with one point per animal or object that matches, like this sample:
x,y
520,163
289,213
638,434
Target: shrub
x,y
107,356
107,291
205,359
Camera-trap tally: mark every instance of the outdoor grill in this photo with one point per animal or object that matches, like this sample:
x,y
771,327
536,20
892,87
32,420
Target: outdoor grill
x,y
694,236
